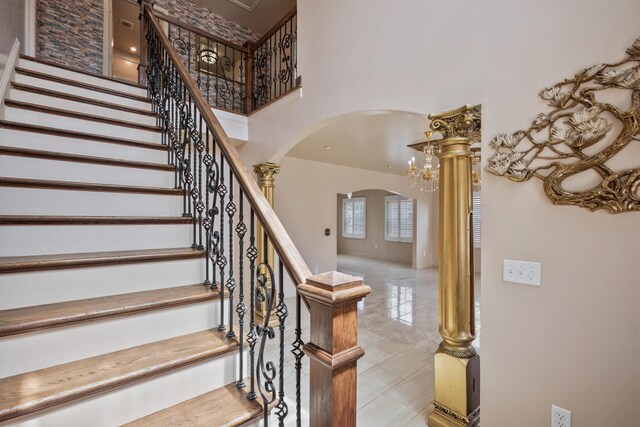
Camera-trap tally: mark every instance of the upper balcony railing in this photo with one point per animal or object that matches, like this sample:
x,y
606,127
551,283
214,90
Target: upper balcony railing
x,y
274,62
236,78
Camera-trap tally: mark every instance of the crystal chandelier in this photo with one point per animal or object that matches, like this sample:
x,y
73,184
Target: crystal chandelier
x,y
428,177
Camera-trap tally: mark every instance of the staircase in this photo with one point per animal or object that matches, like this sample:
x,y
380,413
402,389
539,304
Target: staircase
x,y
104,319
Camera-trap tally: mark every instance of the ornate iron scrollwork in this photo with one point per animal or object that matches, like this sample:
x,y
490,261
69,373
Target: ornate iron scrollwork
x,y
265,371
575,137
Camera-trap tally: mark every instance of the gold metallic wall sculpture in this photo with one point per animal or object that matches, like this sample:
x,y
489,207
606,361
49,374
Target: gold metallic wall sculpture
x,y
581,134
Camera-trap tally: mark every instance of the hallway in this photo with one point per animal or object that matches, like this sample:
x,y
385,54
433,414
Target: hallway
x,y
398,325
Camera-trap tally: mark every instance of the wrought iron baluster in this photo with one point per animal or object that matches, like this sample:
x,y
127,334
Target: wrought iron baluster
x,y
222,259
216,85
281,52
281,409
231,281
200,204
213,239
207,222
208,85
265,370
252,338
298,354
241,308
193,136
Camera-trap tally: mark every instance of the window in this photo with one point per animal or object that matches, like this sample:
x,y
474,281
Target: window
x,y
398,219
477,218
354,218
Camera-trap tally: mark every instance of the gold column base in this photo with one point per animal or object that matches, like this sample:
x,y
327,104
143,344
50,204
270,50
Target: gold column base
x,y
457,397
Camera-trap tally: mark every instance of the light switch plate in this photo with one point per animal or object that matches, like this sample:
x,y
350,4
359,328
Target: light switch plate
x,y
525,272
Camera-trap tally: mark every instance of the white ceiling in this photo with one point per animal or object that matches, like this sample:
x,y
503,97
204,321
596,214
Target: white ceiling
x,y
371,140
264,15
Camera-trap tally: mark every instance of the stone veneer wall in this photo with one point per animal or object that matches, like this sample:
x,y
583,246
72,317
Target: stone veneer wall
x,y
202,18
70,33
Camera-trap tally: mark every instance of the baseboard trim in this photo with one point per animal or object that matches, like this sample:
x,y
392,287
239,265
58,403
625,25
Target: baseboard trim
x,y
369,256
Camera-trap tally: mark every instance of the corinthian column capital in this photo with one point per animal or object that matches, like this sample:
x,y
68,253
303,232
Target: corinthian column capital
x,y
463,122
265,172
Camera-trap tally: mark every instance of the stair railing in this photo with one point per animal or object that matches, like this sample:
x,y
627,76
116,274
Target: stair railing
x,y
273,63
228,208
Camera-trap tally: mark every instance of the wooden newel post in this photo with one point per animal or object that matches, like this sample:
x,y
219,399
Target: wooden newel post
x,y
333,348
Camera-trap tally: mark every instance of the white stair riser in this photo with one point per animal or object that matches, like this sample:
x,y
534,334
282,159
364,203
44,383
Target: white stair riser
x,y
50,286
79,77
42,141
77,106
56,170
22,115
138,399
61,239
31,201
69,343
74,90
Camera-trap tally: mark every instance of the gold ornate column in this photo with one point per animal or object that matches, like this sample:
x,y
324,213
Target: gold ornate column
x,y
265,173
457,365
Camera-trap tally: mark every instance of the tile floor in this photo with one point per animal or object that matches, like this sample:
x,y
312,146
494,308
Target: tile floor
x,y
398,328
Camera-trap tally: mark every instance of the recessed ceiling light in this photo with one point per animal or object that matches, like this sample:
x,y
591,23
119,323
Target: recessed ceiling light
x,y
133,49
327,147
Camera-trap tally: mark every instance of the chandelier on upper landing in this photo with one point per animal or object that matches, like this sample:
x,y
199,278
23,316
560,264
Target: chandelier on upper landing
x,y
427,178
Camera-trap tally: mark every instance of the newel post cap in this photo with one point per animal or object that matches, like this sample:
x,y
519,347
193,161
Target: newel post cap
x,y
333,288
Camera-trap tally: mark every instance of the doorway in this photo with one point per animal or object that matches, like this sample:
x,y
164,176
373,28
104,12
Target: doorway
x,y
123,53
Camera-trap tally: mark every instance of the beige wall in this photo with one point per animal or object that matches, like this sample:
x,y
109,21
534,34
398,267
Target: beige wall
x,y
374,245
306,204
573,341
12,27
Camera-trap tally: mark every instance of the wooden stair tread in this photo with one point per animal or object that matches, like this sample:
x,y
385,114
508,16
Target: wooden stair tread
x,y
226,406
78,115
76,83
32,391
71,97
92,220
27,127
89,259
86,186
27,319
76,70
81,158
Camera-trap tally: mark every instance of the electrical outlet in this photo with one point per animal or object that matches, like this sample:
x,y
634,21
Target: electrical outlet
x,y
560,417
315,270
524,272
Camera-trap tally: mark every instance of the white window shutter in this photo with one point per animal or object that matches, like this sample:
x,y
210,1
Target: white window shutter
x,y
477,218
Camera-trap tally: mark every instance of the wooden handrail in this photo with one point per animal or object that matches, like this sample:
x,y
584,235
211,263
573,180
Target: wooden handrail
x,y
275,28
288,253
198,31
